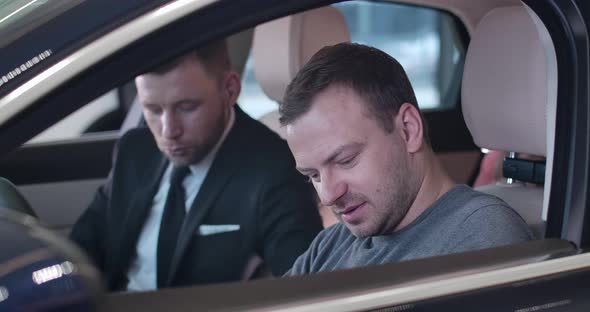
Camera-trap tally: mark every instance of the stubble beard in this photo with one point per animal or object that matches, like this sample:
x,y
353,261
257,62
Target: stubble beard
x,y
202,150
401,192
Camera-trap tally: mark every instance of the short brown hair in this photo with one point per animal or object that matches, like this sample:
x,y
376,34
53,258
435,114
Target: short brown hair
x,y
214,57
376,76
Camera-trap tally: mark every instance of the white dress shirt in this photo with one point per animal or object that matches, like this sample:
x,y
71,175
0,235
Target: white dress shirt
x,y
142,274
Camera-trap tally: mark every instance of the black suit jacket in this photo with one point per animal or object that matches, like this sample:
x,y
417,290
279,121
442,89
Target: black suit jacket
x,y
252,182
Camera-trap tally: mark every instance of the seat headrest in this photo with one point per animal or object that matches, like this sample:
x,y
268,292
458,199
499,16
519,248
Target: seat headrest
x,y
510,82
281,47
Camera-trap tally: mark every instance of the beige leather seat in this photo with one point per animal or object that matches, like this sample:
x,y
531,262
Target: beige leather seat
x,y
509,98
281,47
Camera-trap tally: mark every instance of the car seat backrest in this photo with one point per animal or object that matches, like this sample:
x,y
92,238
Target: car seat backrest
x,y
281,47
509,98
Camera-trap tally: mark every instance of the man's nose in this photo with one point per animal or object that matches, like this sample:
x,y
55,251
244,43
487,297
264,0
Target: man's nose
x,y
171,127
331,189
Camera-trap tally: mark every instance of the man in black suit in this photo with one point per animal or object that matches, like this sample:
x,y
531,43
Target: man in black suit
x,y
239,198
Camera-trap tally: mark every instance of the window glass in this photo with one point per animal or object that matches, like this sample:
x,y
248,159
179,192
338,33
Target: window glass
x,y
82,120
425,41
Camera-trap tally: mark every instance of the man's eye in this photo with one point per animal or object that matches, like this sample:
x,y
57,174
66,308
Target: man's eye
x,y
313,177
154,110
188,107
347,161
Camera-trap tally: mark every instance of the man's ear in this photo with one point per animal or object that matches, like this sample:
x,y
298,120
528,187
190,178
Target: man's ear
x,y
231,86
408,120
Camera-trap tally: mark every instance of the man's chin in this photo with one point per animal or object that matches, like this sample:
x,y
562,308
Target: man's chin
x,y
179,161
185,160
359,231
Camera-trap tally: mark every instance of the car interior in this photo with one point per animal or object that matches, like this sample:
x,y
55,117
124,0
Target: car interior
x,y
301,39
499,67
273,69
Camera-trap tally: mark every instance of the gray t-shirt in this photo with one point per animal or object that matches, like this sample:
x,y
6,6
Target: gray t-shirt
x,y
461,220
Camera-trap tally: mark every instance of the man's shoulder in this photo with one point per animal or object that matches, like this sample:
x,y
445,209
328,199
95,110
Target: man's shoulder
x,y
139,135
481,210
259,132
263,145
136,148
463,206
136,141
470,220
466,201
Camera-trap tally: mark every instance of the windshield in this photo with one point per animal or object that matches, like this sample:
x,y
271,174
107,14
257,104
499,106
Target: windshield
x,y
18,17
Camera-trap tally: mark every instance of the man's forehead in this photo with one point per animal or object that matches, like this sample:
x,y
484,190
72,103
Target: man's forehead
x,y
150,90
313,144
171,86
151,84
337,108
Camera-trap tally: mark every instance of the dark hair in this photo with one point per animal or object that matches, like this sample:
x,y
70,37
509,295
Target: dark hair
x,y
214,57
377,77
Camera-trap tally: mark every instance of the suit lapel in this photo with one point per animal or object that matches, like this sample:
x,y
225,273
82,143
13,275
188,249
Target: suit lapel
x,y
223,167
140,207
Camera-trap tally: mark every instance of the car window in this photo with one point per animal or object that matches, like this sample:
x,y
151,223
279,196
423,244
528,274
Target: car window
x,y
97,113
425,41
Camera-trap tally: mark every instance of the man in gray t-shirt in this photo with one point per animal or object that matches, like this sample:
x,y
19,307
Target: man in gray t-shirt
x,y
354,127
460,220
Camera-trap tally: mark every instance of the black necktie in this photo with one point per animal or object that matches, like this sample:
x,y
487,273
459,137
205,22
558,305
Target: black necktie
x,y
172,218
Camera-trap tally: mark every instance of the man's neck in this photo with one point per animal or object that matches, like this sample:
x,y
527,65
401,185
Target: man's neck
x,y
435,183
